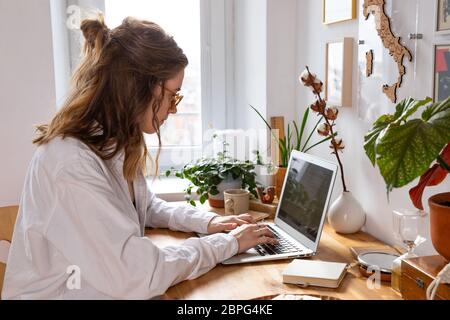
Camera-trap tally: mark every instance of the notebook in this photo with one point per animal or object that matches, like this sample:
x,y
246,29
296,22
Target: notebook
x,y
315,273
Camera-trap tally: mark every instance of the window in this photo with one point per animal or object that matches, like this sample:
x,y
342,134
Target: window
x,y
182,132
203,28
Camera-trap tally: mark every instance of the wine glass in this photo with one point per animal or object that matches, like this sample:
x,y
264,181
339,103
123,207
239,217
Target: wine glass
x,y
409,228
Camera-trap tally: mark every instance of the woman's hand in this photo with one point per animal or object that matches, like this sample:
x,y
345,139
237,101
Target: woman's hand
x,y
250,235
228,223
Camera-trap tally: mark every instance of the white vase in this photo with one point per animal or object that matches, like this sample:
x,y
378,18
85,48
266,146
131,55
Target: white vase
x,y
346,214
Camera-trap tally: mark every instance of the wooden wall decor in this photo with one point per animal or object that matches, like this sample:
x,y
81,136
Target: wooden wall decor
x,y
369,63
339,73
277,123
390,42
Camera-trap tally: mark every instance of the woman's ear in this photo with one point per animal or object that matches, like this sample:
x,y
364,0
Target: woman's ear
x,y
157,90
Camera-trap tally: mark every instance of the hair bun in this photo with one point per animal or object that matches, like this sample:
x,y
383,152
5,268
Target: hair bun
x,y
95,32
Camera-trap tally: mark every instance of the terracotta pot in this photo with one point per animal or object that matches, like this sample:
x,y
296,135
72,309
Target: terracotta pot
x,y
216,203
279,180
440,223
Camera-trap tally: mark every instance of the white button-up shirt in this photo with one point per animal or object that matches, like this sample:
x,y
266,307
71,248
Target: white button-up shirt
x,y
76,218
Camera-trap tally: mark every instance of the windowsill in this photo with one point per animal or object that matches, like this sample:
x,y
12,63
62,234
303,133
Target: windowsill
x,y
168,188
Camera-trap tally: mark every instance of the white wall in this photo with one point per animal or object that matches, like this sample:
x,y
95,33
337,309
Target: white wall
x,y
265,65
282,74
27,87
250,45
362,179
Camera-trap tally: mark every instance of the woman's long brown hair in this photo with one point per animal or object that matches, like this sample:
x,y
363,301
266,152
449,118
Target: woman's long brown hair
x,y
113,87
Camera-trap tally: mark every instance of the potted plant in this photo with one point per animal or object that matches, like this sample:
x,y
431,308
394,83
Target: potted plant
x,y
288,144
406,147
212,176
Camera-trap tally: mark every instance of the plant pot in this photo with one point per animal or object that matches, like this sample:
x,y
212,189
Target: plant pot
x,y
346,215
217,201
279,180
440,223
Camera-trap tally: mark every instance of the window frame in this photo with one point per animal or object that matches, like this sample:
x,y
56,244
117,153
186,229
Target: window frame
x,y
217,69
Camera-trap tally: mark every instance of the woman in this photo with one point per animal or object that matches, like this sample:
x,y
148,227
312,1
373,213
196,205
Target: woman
x,y
85,203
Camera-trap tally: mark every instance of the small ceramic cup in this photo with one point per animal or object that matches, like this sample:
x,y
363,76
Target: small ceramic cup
x,y
237,201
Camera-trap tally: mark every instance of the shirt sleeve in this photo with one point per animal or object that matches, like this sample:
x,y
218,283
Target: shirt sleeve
x,y
90,228
161,214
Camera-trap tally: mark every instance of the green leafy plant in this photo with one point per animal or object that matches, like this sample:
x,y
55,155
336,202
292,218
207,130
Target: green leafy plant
x,y
206,174
288,144
404,147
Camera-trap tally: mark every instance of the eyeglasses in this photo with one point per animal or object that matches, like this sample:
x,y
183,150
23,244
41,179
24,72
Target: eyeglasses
x,y
176,97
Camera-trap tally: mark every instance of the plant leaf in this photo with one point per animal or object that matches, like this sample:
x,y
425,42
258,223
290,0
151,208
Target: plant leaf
x,y
322,141
404,110
408,107
260,115
297,135
371,138
406,151
303,127
311,134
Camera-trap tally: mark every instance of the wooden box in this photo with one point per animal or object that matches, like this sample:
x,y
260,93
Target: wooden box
x,y
418,273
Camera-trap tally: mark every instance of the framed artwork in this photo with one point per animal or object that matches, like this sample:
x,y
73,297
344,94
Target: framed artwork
x,y
442,17
338,10
338,73
441,72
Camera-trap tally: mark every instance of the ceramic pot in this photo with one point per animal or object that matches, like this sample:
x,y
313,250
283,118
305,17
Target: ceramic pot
x,y
346,214
440,223
217,201
279,180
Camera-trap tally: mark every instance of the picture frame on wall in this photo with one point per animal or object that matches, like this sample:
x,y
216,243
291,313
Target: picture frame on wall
x,y
441,72
442,17
339,72
338,10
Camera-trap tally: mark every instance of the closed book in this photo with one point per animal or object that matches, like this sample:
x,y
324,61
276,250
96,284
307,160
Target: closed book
x,y
315,273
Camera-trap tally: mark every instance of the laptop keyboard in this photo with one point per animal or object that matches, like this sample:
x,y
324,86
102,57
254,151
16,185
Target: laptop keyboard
x,y
283,246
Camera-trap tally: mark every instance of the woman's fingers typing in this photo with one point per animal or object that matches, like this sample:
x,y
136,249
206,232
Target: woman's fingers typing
x,y
250,235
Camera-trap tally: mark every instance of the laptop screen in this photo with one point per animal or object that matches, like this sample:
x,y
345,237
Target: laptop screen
x,y
304,196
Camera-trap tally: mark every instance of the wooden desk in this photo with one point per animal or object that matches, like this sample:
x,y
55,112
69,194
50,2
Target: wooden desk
x,y
248,281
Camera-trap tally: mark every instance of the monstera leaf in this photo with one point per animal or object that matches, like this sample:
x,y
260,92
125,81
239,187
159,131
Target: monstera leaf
x,y
405,149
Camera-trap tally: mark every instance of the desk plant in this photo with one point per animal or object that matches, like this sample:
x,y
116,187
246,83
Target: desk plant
x,y
288,144
406,147
211,176
346,214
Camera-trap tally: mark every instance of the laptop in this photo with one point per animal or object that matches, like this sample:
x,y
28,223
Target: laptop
x,y
301,211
